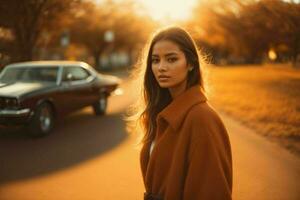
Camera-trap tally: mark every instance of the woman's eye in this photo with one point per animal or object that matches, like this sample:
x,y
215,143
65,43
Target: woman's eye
x,y
155,60
171,60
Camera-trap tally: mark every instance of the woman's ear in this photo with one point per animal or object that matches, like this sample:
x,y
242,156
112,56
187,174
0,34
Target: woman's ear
x,y
190,68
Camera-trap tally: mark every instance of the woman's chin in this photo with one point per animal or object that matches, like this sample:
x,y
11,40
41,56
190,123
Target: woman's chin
x,y
164,85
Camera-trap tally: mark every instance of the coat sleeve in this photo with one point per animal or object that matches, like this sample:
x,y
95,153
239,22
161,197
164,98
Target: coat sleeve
x,y
209,170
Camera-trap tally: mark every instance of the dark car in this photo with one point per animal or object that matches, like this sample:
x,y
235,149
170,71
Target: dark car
x,y
35,93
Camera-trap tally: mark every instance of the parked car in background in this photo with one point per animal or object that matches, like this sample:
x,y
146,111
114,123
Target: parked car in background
x,y
35,93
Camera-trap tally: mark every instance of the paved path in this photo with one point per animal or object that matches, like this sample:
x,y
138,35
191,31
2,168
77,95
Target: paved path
x,y
90,158
262,170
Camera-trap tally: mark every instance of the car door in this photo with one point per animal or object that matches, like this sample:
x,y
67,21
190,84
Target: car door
x,y
78,83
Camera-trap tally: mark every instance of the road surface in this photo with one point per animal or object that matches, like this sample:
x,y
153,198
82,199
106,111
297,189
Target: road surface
x,y
93,158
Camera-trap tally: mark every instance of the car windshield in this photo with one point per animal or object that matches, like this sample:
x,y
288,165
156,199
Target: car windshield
x,y
29,74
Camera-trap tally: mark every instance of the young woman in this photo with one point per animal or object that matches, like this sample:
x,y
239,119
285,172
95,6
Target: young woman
x,y
186,151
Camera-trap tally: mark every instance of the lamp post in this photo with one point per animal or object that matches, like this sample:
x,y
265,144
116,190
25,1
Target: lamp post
x,y
64,42
109,37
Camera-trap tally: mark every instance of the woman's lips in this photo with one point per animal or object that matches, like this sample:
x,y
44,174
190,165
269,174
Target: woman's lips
x,y
163,77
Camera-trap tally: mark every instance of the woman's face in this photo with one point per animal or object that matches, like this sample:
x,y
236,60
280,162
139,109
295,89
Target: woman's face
x,y
169,65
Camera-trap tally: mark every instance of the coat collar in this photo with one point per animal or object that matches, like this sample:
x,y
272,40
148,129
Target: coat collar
x,y
176,111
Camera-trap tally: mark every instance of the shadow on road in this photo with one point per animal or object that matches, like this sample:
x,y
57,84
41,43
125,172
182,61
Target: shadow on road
x,y
76,138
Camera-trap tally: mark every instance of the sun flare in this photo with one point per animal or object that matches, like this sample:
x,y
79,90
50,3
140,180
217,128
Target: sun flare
x,y
169,9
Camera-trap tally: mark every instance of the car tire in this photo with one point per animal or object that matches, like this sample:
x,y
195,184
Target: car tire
x,y
42,121
100,106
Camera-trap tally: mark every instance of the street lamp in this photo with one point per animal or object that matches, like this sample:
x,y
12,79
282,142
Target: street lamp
x,y
109,37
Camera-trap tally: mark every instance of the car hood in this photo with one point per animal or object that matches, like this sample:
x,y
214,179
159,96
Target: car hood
x,y
18,89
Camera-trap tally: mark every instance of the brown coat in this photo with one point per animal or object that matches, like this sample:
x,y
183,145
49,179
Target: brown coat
x,y
191,159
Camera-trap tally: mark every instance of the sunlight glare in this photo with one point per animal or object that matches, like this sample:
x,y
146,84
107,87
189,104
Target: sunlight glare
x,y
169,9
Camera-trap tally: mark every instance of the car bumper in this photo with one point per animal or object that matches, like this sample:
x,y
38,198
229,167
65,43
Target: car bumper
x,y
11,117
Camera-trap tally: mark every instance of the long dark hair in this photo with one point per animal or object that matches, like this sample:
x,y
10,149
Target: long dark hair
x,y
156,98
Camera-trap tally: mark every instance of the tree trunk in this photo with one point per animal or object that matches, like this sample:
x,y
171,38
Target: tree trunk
x,y
295,50
96,55
26,53
26,38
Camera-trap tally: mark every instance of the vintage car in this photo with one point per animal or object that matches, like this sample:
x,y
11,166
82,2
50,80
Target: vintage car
x,y
35,93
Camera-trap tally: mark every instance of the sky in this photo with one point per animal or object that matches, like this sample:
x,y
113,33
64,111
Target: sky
x,y
173,9
166,9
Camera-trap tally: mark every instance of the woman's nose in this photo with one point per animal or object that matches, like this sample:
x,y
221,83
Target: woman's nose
x,y
162,66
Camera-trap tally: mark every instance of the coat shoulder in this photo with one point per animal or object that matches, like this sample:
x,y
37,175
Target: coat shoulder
x,y
209,155
204,121
203,113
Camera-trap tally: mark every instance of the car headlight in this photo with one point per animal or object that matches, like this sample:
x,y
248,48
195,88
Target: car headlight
x,y
9,103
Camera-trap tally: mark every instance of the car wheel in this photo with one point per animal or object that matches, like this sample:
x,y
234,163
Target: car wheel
x,y
100,106
42,122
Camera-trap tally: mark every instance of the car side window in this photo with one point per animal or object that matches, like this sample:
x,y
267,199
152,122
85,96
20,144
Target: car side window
x,y
74,74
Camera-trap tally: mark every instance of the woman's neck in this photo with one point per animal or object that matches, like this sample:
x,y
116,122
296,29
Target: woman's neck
x,y
178,89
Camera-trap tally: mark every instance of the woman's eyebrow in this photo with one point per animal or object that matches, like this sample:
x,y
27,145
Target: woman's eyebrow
x,y
166,55
171,54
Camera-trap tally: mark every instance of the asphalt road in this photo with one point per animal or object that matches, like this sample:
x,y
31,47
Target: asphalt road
x,y
90,157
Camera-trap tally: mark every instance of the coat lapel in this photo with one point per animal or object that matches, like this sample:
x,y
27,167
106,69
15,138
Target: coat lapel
x,y
173,116
176,111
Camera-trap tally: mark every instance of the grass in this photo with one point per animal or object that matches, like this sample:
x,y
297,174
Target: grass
x,y
265,98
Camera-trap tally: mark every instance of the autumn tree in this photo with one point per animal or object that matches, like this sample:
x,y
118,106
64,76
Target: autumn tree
x,y
88,29
132,29
26,20
94,20
248,29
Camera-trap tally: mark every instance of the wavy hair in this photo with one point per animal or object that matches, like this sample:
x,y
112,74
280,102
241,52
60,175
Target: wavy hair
x,y
154,98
